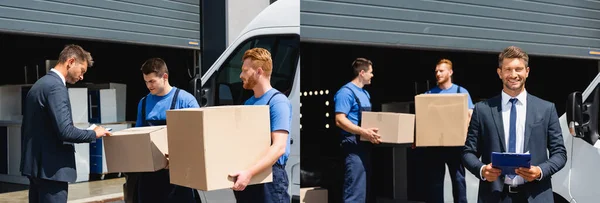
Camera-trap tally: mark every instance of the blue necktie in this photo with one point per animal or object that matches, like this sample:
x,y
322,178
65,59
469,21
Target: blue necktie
x,y
512,130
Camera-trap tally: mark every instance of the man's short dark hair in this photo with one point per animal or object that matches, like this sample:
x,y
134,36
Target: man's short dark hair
x,y
361,64
155,65
75,51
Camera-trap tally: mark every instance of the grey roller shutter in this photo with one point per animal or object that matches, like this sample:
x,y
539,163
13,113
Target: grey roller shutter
x,y
548,27
174,23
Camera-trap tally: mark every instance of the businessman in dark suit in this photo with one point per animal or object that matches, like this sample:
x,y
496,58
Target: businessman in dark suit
x,y
515,121
48,134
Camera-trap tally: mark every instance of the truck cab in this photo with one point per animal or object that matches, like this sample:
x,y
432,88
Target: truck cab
x,y
577,181
277,29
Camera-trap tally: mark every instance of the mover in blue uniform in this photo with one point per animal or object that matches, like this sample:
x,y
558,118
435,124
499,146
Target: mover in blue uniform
x,y
256,76
156,186
437,157
350,101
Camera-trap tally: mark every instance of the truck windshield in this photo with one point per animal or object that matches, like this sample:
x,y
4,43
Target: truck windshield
x,y
284,51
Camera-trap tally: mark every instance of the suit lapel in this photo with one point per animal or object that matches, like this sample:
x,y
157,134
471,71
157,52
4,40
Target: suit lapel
x,y
529,119
496,106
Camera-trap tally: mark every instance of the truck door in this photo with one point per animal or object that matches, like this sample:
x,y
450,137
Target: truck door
x,y
581,152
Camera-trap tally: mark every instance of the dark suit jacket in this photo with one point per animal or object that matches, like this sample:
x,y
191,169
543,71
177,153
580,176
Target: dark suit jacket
x,y
47,132
542,131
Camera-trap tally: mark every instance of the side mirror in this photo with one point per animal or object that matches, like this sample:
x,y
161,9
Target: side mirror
x,y
194,88
582,117
575,114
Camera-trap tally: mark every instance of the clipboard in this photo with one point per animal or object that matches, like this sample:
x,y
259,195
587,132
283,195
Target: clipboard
x,y
508,162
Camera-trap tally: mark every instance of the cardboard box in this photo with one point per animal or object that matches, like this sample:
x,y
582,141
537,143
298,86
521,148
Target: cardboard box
x,y
97,153
207,144
313,195
395,128
442,119
140,149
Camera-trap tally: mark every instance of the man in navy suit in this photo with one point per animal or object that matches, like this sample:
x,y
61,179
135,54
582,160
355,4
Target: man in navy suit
x,y
518,122
48,134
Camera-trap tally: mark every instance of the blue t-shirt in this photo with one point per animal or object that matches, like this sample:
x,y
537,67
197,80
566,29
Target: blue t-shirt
x,y
157,106
346,103
452,89
280,111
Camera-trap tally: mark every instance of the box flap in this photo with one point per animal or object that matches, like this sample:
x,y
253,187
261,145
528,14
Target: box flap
x,y
139,130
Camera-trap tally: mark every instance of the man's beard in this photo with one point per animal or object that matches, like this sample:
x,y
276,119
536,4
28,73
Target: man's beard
x,y
443,80
250,83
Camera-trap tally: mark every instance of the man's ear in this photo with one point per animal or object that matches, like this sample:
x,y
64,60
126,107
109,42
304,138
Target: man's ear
x,y
165,76
499,71
70,62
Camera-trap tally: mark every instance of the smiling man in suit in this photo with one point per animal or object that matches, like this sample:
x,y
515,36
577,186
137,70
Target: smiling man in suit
x,y
47,131
518,122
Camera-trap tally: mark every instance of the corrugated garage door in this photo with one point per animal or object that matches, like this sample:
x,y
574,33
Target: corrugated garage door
x,y
173,23
543,27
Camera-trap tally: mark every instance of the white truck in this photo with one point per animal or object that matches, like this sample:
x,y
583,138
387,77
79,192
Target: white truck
x,y
276,28
577,181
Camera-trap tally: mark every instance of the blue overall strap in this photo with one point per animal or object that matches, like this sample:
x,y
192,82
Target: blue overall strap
x,y
174,99
144,112
269,103
355,98
360,108
458,89
144,123
276,93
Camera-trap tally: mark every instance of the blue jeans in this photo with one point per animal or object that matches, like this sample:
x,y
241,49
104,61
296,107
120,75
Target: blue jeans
x,y
273,192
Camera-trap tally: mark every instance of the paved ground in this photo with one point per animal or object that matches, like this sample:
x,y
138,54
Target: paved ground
x,y
111,191
93,191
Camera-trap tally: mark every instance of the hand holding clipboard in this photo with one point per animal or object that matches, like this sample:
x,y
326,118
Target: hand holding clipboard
x,y
516,164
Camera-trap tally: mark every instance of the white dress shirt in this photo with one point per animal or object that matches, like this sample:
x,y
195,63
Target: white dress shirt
x,y
59,75
520,130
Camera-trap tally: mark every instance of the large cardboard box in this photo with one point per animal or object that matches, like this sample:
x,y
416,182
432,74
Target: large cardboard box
x,y
394,128
140,149
442,119
97,153
313,195
207,144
